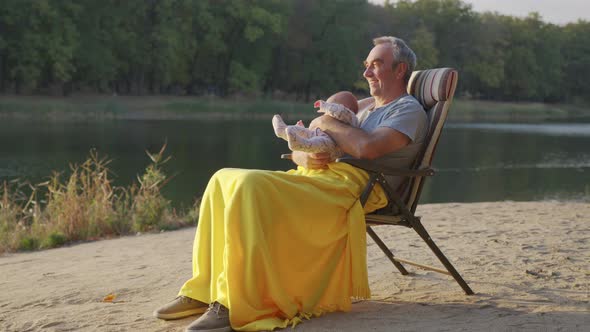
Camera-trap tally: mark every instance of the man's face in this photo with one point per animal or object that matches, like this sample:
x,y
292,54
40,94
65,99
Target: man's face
x,y
379,70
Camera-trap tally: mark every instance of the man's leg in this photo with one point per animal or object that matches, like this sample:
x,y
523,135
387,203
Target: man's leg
x,y
256,246
180,307
194,296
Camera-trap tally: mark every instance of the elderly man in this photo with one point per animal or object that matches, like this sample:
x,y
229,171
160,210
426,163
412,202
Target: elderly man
x,y
272,248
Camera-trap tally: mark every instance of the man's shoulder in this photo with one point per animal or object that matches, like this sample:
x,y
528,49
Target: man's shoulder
x,y
405,104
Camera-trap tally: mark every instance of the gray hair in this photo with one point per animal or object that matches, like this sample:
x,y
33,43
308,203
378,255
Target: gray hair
x,y
401,53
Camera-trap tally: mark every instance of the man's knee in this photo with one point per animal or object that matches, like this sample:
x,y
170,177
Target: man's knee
x,y
221,172
252,178
241,177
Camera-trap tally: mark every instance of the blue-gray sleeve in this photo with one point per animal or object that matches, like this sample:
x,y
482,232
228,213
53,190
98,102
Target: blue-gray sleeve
x,y
408,118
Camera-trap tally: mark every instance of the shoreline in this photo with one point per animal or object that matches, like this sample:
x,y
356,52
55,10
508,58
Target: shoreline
x,y
526,261
107,108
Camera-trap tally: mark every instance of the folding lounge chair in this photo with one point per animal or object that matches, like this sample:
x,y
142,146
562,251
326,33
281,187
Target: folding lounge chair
x,y
434,89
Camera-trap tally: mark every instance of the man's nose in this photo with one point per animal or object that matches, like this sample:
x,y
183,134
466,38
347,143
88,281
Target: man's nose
x,y
368,72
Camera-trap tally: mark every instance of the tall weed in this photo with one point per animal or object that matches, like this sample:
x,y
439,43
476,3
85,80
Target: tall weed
x,y
150,209
86,206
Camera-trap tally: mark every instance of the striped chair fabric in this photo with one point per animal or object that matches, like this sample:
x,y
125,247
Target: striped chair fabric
x,y
434,89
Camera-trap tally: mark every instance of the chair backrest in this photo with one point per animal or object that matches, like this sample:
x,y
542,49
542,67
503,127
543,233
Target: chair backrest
x,y
434,89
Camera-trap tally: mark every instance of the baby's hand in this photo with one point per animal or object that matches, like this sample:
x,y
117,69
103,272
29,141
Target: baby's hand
x,y
300,123
319,104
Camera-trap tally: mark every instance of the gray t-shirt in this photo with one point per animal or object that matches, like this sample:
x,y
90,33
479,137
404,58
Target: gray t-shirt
x,y
406,115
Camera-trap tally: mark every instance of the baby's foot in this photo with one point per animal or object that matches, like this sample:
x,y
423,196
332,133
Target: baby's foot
x,y
279,126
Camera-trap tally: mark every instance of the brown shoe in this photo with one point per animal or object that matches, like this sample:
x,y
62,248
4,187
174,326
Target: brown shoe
x,y
181,307
215,319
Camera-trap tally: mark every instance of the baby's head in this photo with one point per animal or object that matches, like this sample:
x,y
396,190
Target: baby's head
x,y
346,99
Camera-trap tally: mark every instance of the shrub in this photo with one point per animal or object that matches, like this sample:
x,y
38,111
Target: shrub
x,y
54,240
150,208
28,243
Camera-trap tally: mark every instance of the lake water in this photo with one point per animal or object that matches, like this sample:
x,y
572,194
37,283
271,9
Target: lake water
x,y
474,162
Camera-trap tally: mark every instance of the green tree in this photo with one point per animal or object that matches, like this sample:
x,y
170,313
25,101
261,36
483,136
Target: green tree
x,y
484,68
424,46
100,27
548,49
241,61
521,67
324,39
452,24
576,54
303,48
40,38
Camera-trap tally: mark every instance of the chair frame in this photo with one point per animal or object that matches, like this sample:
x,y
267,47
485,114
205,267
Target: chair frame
x,y
406,218
400,213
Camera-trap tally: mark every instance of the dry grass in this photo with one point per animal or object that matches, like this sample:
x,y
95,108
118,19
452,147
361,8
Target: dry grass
x,y
86,206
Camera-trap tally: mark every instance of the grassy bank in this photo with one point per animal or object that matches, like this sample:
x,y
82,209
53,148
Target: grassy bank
x,y
85,206
477,110
147,108
171,108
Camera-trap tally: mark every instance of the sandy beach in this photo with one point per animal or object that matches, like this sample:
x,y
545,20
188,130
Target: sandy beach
x,y
528,263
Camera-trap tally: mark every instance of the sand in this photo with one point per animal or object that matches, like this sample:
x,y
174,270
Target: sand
x,y
528,262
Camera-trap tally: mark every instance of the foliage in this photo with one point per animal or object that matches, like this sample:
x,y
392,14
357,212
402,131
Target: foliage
x,y
301,49
150,208
86,206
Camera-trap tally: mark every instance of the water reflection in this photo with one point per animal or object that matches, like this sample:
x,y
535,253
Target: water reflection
x,y
482,162
475,162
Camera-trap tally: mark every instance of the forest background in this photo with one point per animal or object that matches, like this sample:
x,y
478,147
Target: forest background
x,y
293,49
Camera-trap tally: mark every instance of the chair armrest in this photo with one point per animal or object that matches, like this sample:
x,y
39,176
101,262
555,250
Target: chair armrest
x,y
370,166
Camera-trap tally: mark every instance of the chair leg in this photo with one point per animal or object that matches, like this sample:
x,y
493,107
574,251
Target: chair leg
x,y
386,250
417,225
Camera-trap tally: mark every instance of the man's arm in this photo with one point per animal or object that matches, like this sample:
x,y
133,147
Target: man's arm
x,y
358,143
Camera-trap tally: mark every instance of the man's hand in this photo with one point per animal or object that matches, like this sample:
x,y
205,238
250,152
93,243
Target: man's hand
x,y
311,160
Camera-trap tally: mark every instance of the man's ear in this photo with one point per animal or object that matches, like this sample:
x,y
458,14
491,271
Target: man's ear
x,y
402,68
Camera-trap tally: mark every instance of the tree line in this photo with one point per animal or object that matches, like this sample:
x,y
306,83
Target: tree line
x,y
297,49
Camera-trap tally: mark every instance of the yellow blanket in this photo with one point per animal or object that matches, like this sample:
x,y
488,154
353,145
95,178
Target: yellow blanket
x,y
275,247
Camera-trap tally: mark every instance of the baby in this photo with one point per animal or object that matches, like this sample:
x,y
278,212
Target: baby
x,y
342,106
